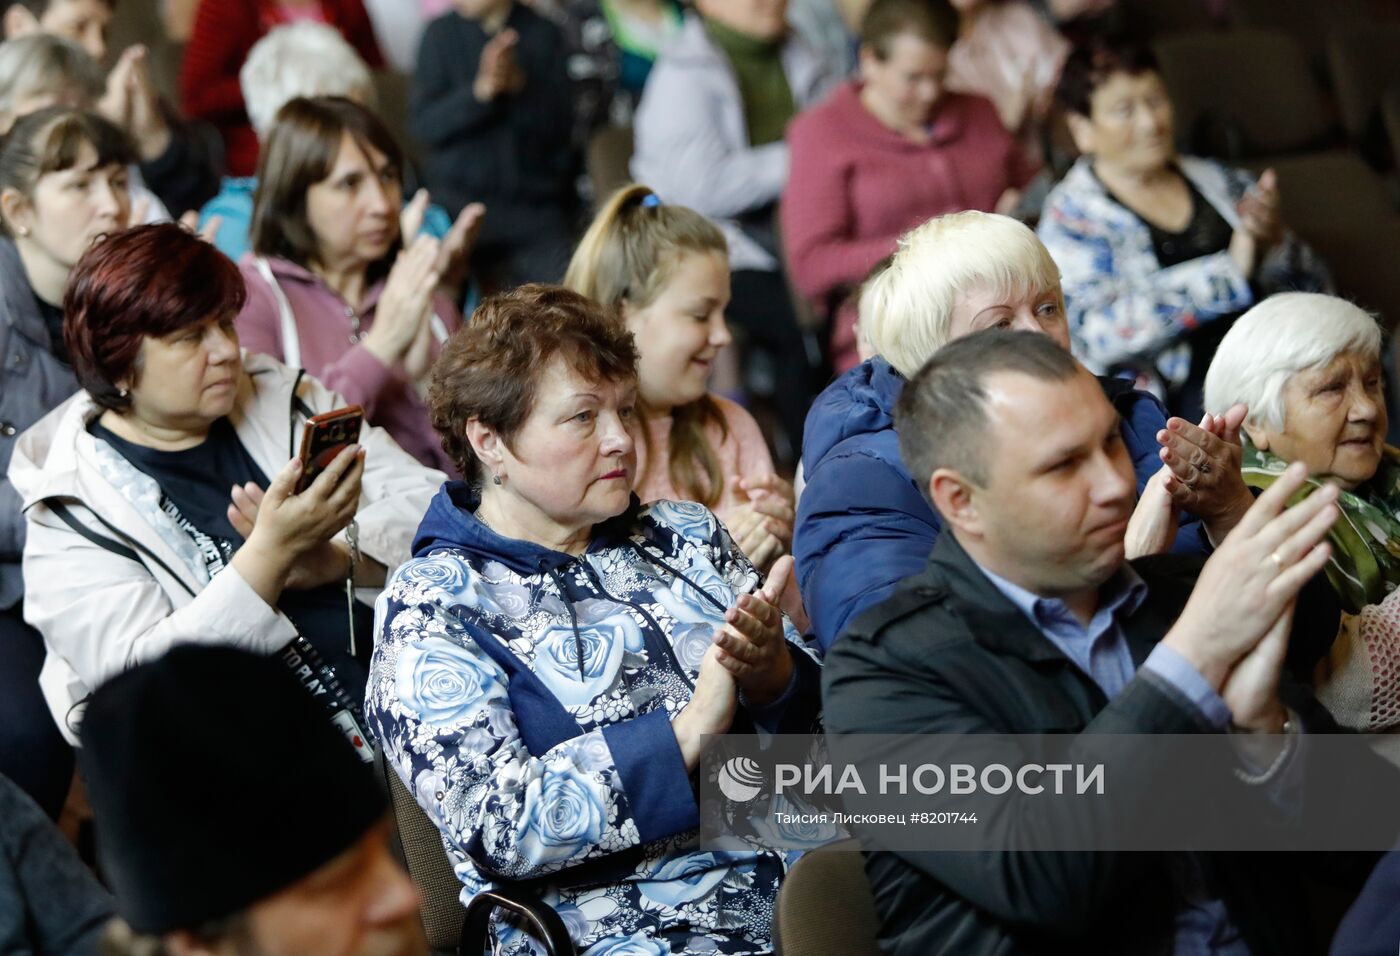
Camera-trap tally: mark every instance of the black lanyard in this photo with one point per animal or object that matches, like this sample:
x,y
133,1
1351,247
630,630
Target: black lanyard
x,y
313,671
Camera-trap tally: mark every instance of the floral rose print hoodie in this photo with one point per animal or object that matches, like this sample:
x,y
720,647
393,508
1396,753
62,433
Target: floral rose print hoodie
x,y
525,695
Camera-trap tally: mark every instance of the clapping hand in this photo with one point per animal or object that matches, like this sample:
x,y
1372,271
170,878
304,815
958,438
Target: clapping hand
x,y
710,710
498,72
190,220
1203,469
130,102
752,645
454,253
762,528
406,305
1261,210
1251,690
1254,576
1261,223
1153,526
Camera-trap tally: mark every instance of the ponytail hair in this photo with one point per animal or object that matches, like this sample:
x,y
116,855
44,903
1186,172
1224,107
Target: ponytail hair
x,y
628,256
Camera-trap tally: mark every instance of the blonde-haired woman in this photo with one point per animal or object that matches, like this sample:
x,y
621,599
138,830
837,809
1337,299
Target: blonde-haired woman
x,y
665,269
864,524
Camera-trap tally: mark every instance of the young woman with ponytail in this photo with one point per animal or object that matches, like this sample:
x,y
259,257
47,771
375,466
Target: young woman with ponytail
x,y
665,269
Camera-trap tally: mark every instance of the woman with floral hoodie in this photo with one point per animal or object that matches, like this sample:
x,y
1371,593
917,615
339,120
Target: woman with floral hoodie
x,y
548,663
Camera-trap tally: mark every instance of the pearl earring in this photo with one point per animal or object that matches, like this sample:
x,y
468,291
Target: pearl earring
x,y
24,230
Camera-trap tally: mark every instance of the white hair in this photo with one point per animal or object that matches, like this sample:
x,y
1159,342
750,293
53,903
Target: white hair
x,y
1281,336
300,59
906,312
39,63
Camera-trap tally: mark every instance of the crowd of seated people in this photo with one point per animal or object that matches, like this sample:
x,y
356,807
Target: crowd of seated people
x,y
175,158
1117,464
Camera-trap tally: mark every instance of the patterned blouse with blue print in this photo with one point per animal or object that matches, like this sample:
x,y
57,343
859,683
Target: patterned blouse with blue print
x,y
525,696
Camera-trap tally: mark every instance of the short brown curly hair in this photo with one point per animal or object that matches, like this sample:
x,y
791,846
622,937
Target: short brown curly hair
x,y
490,369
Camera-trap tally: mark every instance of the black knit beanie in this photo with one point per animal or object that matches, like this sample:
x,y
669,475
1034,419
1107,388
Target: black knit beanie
x,y
216,780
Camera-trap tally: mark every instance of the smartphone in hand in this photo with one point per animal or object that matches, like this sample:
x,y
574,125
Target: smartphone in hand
x,y
323,437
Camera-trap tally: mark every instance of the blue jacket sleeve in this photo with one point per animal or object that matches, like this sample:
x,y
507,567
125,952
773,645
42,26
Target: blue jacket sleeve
x,y
465,760
862,527
798,709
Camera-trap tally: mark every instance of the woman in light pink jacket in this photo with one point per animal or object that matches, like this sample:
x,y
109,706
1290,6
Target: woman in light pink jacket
x,y
1009,53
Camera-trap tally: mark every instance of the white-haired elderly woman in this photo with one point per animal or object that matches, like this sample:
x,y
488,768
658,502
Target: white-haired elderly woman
x,y
863,523
1308,366
312,59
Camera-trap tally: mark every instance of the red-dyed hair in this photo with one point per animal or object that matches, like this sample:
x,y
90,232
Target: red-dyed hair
x,y
149,281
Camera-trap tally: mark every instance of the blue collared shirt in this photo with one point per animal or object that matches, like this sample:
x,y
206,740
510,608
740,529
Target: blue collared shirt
x,y
1100,650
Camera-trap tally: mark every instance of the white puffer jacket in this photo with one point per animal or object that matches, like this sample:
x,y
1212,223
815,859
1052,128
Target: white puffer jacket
x,y
102,610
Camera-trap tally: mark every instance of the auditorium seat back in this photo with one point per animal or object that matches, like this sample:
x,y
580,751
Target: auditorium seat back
x,y
1364,60
825,907
1242,94
428,866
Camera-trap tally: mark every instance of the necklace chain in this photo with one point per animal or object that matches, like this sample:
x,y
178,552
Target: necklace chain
x,y
482,518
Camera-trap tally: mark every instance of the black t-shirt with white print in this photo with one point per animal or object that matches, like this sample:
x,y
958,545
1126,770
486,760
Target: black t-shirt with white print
x,y
195,486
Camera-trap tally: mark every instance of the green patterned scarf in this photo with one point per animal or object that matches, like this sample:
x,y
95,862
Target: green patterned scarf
x,y
1365,563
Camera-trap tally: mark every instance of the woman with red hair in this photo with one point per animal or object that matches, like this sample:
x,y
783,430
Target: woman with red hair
x,y
160,501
